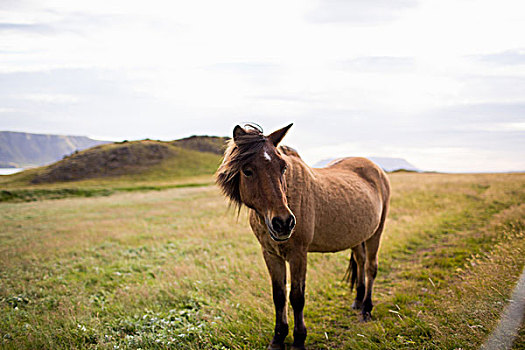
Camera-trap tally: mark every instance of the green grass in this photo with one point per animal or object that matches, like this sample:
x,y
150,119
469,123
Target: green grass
x,y
35,194
142,268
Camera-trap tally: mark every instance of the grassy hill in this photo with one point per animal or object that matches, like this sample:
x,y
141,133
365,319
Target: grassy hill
x,y
124,166
148,158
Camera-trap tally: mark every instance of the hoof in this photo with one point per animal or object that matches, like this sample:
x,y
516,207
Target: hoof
x,y
366,316
298,348
357,305
273,346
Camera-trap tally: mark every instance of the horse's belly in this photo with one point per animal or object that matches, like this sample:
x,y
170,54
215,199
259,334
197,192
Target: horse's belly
x,y
325,242
345,229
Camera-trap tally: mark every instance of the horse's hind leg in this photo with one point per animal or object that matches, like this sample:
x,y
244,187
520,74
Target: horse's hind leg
x,y
358,275
371,249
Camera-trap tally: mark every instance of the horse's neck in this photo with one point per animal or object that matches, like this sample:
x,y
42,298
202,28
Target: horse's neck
x,y
300,178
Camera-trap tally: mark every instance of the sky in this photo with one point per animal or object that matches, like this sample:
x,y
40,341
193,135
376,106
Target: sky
x,y
440,83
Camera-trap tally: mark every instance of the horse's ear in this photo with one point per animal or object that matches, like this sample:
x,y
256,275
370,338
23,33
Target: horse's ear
x,y
238,132
276,136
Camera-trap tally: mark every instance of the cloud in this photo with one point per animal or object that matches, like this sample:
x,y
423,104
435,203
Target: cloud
x,y
359,12
506,58
379,64
479,113
246,67
63,81
51,98
7,110
26,27
256,72
290,98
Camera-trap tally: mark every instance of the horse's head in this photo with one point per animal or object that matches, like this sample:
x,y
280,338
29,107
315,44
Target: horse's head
x,y
252,174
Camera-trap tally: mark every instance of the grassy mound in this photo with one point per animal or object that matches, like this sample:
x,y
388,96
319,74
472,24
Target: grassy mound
x,y
107,160
149,158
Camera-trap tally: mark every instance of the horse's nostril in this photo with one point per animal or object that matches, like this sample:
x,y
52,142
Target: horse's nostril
x,y
283,226
277,224
291,222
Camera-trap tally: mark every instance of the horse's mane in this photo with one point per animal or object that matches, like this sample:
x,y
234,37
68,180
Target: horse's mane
x,y
237,153
289,151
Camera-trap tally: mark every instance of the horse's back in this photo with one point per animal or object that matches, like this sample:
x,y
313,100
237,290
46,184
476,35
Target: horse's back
x,y
351,163
363,168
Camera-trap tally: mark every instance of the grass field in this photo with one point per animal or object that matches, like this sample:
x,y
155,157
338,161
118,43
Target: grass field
x,y
174,269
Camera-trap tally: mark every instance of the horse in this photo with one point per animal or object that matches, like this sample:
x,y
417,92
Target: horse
x,y
295,209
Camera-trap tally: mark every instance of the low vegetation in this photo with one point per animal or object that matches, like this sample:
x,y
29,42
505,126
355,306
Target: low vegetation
x,y
174,269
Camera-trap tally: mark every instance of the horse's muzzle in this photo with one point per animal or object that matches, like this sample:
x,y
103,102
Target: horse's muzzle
x,y
281,230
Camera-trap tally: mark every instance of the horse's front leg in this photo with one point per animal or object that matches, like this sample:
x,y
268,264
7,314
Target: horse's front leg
x,y
298,276
277,268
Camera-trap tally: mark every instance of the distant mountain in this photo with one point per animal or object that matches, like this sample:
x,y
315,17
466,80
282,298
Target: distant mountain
x,y
21,149
393,164
387,164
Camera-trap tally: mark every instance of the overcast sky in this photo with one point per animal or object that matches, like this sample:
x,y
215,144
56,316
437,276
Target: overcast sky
x,y
440,83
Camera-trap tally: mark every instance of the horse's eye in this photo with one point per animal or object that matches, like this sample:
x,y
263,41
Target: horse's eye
x,y
284,169
247,172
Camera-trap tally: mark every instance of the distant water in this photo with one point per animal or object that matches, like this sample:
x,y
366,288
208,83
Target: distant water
x,y
9,171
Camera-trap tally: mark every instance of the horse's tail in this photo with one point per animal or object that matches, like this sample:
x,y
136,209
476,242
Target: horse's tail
x,y
351,272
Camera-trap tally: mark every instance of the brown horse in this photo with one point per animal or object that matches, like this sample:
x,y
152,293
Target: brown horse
x,y
296,209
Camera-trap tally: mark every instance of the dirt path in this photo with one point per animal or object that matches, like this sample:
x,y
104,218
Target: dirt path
x,y
509,325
